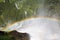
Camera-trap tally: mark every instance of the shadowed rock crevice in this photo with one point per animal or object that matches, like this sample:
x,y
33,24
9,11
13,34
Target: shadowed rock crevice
x,y
13,35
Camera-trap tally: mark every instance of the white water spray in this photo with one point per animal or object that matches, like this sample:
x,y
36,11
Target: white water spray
x,y
39,28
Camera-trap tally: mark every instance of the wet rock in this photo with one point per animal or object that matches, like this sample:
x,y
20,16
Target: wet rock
x,y
13,35
19,36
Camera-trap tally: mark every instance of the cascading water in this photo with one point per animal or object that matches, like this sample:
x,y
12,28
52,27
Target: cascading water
x,y
45,26
38,28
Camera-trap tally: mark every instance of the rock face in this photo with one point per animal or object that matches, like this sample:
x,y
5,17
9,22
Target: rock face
x,y
13,35
19,36
2,33
5,36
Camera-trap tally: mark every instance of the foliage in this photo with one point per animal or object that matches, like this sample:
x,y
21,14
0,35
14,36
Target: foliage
x,y
5,36
16,10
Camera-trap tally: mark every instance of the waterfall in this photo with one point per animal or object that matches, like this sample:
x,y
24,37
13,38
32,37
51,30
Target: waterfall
x,y
45,26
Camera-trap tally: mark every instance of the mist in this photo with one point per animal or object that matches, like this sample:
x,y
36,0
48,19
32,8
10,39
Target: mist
x,y
45,26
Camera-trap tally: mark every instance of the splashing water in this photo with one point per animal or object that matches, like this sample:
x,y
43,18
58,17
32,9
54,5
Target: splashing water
x,y
38,28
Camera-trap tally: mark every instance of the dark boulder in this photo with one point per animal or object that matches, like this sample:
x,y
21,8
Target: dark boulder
x,y
13,35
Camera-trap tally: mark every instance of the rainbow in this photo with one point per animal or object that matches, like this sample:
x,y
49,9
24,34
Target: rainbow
x,y
32,18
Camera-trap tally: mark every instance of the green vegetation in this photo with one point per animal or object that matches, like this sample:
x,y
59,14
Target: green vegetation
x,y
16,10
5,36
